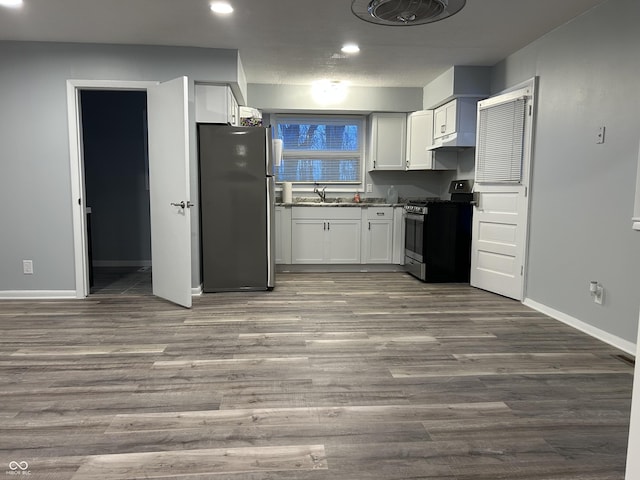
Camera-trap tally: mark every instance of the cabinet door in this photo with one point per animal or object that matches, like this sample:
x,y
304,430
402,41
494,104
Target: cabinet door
x,y
308,241
388,141
211,103
445,118
379,241
419,137
343,241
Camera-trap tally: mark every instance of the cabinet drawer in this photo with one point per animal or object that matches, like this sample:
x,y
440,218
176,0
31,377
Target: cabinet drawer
x,y
380,213
326,213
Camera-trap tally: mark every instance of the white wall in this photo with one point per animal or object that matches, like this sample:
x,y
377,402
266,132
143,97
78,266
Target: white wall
x,y
582,193
35,184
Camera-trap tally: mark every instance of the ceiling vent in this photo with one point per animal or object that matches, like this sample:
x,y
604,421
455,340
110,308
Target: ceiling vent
x,y
403,13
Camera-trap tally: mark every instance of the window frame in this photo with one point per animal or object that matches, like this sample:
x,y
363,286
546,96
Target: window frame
x,y
326,119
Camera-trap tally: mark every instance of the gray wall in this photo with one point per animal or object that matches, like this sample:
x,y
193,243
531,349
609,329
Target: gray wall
x,y
35,184
582,193
299,98
116,176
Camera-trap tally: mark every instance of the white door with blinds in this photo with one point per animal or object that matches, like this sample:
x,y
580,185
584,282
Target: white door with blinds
x,y
501,186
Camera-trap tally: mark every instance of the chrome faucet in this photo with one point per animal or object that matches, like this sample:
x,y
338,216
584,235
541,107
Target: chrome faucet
x,y
321,193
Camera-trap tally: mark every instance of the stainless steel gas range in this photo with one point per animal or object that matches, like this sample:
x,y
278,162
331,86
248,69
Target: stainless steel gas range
x,y
438,236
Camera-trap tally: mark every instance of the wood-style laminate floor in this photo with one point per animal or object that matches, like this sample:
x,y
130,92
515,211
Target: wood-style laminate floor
x,y
330,376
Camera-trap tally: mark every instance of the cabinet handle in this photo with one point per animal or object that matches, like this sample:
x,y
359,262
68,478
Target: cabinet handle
x,y
328,225
324,225
369,225
380,214
443,128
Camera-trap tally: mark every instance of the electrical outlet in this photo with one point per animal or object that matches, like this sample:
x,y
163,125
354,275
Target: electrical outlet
x,y
369,187
597,291
27,267
599,296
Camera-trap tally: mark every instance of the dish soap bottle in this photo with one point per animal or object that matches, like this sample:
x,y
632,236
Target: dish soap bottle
x,y
356,198
392,195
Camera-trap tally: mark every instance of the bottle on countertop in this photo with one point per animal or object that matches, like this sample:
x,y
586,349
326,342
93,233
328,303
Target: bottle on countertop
x,y
356,198
392,195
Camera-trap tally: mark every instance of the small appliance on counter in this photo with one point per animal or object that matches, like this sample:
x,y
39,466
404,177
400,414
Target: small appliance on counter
x,y
438,236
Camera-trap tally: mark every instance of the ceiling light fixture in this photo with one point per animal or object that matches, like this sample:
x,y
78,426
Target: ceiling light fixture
x,y
350,48
405,12
222,8
11,3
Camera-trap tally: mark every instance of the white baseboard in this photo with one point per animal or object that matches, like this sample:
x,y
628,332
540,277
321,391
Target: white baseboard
x,y
121,263
36,294
595,332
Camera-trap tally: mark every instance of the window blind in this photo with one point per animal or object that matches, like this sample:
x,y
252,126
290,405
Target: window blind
x,y
501,142
323,149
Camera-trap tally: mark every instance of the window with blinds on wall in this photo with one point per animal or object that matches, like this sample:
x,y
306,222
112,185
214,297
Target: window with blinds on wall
x,y
320,149
501,133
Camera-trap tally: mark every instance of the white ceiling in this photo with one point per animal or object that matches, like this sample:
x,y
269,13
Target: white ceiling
x,y
298,41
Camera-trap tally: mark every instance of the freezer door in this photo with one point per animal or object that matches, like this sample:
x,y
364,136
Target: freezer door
x,y
271,233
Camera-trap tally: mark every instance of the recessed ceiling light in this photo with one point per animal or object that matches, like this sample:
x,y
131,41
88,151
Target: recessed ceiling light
x,y
221,7
350,48
11,3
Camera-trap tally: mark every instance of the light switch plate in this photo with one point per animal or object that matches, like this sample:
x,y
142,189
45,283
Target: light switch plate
x,y
600,135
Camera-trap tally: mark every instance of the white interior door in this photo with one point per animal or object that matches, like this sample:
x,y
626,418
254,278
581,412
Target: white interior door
x,y
168,131
500,215
497,252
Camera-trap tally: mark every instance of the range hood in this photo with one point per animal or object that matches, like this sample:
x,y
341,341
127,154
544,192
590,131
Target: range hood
x,y
455,140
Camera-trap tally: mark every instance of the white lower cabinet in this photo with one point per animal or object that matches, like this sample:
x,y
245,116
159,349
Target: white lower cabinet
x,y
325,235
377,234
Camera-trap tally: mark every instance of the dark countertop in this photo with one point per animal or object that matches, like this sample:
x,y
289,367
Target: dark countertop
x,y
338,204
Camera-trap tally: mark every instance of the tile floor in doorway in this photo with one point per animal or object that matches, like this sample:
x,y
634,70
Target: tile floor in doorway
x,y
121,281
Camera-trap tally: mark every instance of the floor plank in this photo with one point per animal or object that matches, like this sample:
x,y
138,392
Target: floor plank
x,y
348,376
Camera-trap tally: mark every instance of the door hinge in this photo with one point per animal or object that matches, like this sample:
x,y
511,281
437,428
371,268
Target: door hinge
x,y
521,270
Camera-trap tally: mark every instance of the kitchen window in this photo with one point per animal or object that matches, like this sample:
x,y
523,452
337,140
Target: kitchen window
x,y
324,149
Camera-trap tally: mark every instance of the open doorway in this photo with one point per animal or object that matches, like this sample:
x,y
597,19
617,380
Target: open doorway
x,y
116,182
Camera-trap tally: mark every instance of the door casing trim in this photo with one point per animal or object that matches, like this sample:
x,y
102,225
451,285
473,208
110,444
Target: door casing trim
x,y
76,164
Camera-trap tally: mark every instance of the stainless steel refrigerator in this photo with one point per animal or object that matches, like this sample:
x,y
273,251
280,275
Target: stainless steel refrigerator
x,y
236,208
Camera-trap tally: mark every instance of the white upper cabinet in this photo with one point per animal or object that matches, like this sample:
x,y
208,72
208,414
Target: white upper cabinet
x,y
216,104
388,133
419,138
454,123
